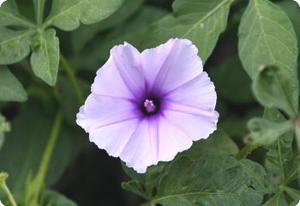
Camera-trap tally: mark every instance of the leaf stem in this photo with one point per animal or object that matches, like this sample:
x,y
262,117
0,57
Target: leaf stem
x,y
3,185
40,11
71,75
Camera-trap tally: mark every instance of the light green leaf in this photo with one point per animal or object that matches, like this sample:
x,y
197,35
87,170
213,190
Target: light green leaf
x,y
267,37
10,16
52,198
200,21
14,45
272,89
10,87
211,180
45,58
23,148
67,14
264,132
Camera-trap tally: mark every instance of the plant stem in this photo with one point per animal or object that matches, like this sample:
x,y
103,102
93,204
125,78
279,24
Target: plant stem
x,y
245,151
50,147
40,7
297,134
9,194
38,182
71,75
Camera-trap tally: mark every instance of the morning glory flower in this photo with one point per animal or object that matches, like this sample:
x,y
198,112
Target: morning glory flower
x,y
146,107
298,2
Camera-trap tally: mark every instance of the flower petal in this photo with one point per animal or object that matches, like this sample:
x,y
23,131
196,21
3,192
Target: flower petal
x,y
127,61
101,111
154,140
171,65
114,138
123,70
196,125
199,92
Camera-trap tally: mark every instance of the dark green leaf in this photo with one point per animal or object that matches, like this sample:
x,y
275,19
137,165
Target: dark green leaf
x,y
14,45
84,34
226,78
135,32
200,21
136,187
218,142
267,37
272,89
51,198
10,16
45,57
264,132
24,146
210,180
68,99
68,14
10,87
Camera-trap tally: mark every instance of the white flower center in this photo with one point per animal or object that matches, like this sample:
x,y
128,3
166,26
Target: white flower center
x,y
149,106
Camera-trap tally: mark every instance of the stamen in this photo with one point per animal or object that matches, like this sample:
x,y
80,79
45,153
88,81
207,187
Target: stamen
x,y
149,106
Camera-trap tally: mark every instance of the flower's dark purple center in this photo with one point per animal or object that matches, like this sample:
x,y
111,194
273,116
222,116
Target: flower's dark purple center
x,y
150,106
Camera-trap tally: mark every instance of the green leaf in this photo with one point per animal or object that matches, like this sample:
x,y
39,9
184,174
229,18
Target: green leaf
x,y
14,45
257,175
86,33
24,146
68,14
210,180
52,198
264,132
10,16
10,87
235,75
218,142
267,37
272,89
4,127
135,31
135,187
68,99
45,58
200,21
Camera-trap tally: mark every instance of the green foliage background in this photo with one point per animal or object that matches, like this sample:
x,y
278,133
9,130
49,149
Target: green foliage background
x,y
51,49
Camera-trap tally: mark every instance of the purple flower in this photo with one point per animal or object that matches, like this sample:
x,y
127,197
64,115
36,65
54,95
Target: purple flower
x,y
146,107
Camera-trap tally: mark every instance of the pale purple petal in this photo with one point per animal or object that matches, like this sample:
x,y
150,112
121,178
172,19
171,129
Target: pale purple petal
x,y
196,125
171,64
154,140
171,139
141,150
127,60
114,137
199,92
108,74
99,111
